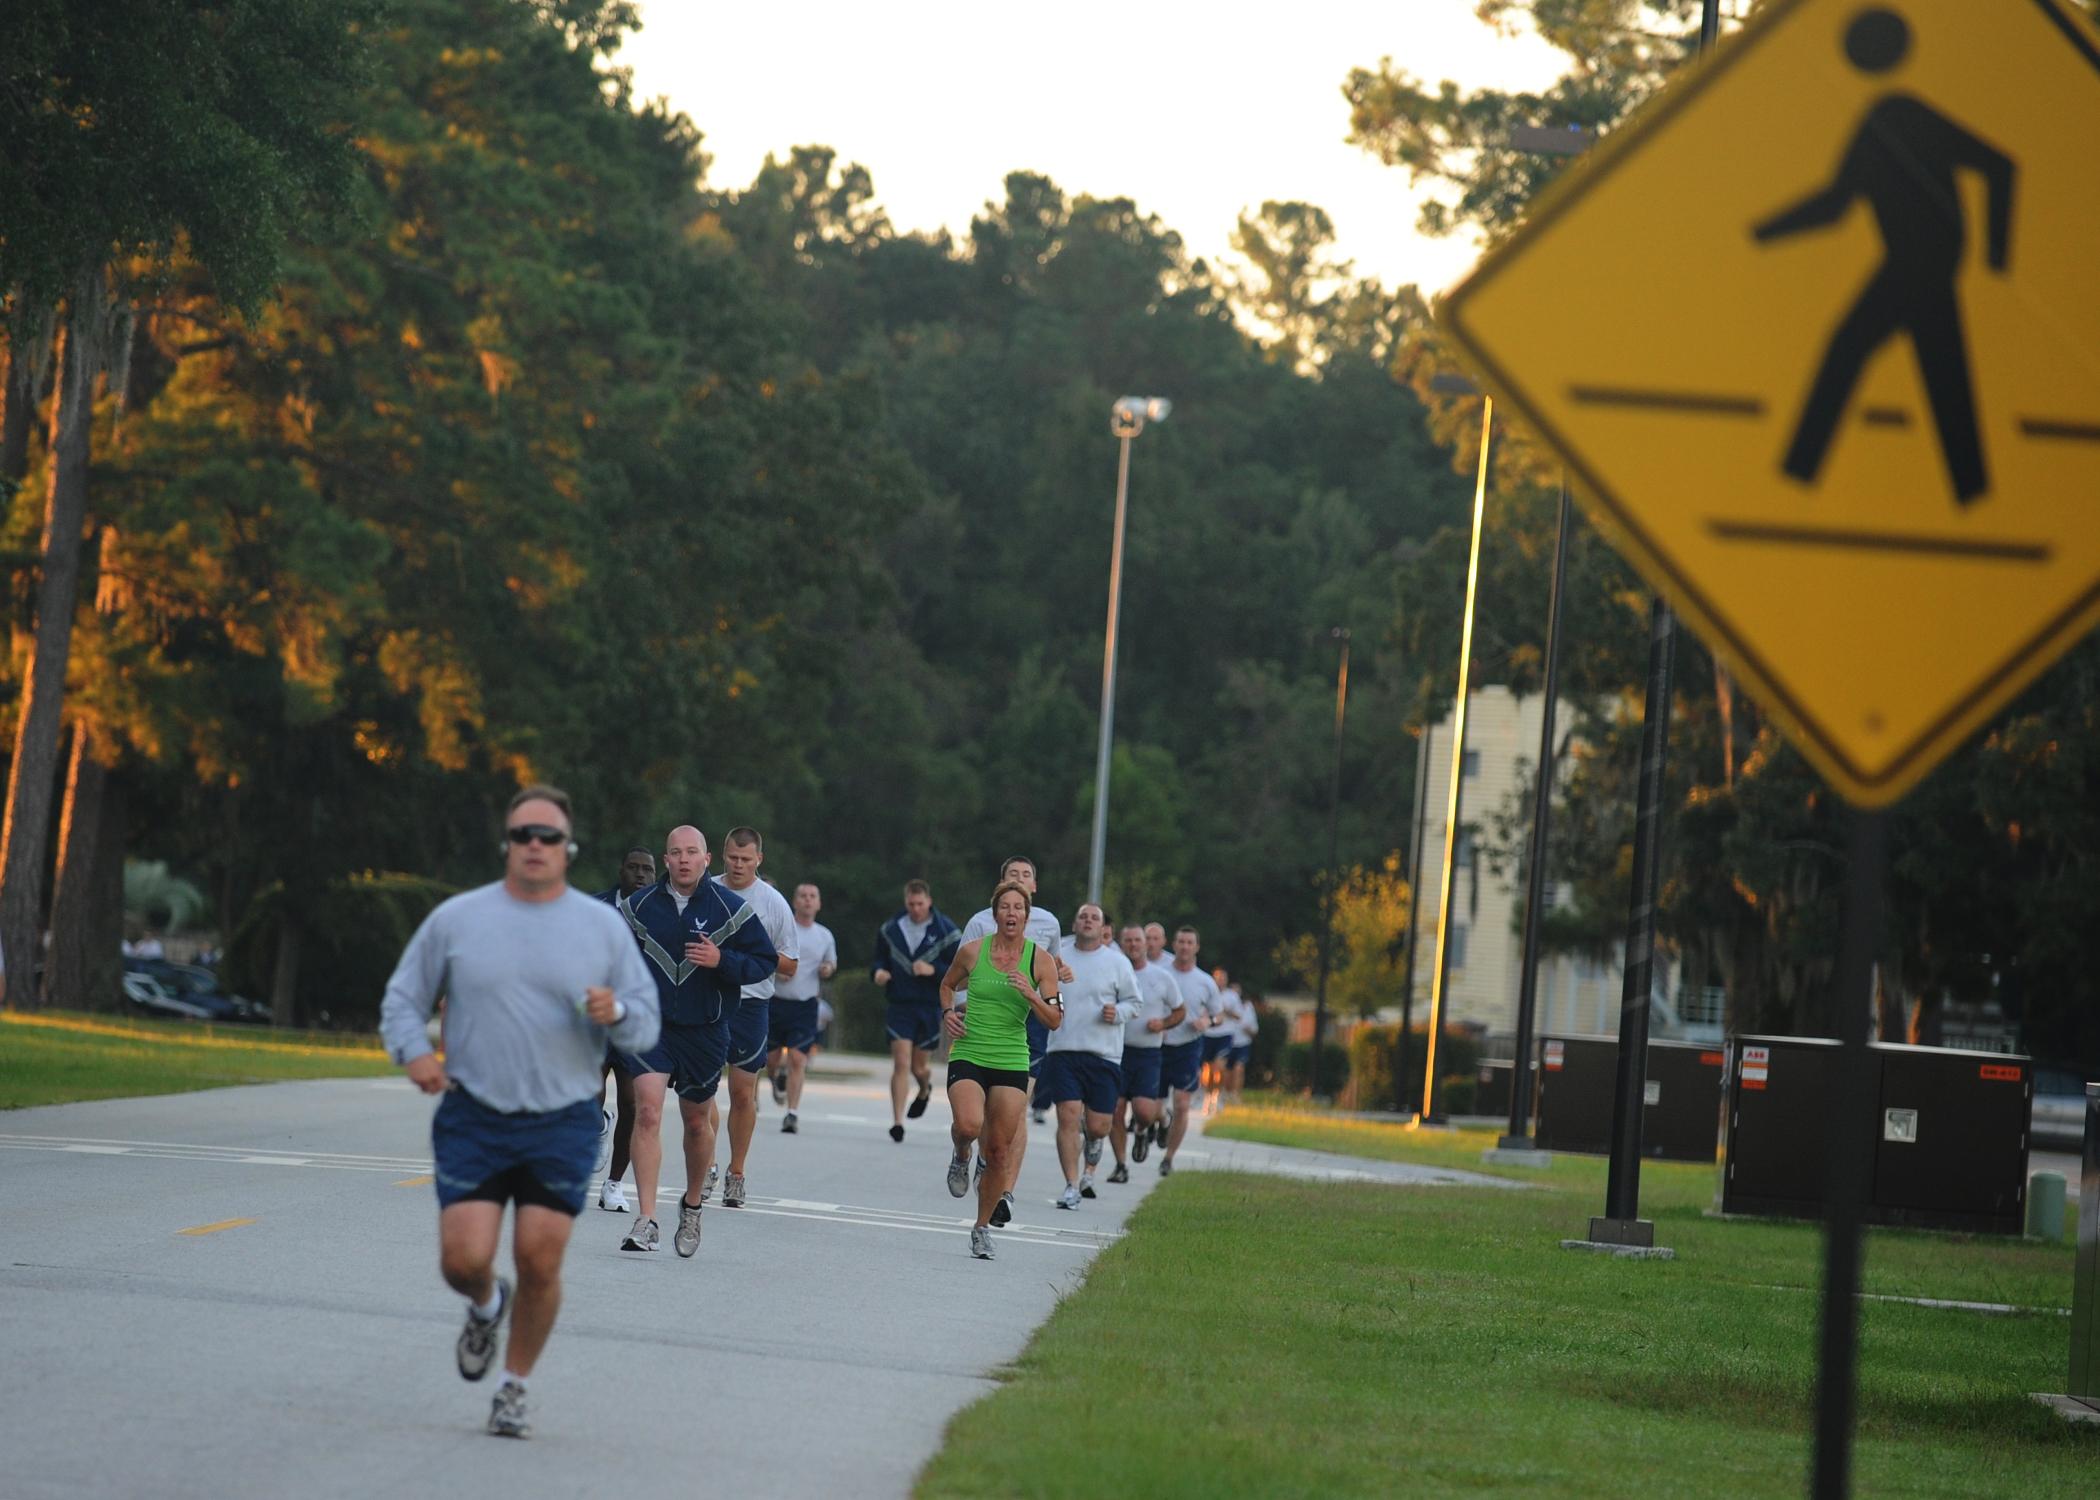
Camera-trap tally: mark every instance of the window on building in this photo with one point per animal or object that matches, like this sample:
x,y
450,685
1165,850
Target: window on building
x,y
1463,857
1472,763
1456,946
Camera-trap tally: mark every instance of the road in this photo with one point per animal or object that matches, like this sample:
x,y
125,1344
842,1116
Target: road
x,y
235,1293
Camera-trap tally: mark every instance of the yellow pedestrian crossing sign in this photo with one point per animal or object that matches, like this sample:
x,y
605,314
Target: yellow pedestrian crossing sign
x,y
1819,336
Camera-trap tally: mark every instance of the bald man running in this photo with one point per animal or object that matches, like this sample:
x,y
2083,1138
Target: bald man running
x,y
702,945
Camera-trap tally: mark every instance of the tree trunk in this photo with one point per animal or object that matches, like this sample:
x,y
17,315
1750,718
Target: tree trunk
x,y
87,898
33,774
28,364
284,983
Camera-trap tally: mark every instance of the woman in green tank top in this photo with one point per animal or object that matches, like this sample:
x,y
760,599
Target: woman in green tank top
x,y
1003,979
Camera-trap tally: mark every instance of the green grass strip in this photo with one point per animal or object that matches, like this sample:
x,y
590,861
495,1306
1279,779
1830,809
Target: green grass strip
x,y
1258,1336
55,1057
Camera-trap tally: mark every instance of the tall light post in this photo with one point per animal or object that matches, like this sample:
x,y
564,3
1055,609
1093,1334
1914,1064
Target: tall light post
x,y
1126,419
1334,852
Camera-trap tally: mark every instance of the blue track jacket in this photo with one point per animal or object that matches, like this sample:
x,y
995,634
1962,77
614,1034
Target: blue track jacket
x,y
689,994
938,947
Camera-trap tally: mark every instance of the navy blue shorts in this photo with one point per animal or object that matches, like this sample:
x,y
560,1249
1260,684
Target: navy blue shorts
x,y
1181,1065
792,1023
749,1026
1216,1044
915,1021
1094,1081
1141,1072
694,1056
1236,1056
485,1155
1038,1043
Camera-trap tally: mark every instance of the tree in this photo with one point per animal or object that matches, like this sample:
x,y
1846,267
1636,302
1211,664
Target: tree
x,y
140,131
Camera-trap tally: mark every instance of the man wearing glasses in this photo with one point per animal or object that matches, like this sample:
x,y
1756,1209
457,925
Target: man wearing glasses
x,y
702,944
536,979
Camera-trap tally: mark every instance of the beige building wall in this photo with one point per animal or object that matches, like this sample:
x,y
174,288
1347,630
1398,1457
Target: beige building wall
x,y
1574,996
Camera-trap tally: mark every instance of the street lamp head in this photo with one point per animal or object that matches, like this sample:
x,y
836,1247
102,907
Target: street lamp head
x,y
1127,418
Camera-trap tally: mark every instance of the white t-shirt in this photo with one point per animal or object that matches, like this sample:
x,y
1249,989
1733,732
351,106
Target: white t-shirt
x,y
1249,1022
1043,930
1199,992
1225,1018
779,919
1158,996
814,948
1099,978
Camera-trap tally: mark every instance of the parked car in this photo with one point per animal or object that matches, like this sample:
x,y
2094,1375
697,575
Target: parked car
x,y
2058,1118
145,993
199,987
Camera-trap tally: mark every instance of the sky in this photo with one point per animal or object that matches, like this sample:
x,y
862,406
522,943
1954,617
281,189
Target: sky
x,y
1197,112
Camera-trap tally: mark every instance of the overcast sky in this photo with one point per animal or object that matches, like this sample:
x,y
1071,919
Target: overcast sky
x,y
1191,110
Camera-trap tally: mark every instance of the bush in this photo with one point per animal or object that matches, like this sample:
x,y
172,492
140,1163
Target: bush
x,y
1454,1092
1374,1053
1294,1068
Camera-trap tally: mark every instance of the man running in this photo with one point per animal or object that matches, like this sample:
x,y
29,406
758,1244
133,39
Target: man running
x,y
1242,1047
911,949
1156,945
750,1026
703,943
537,978
1082,1069
1224,1030
1156,953
794,1017
1180,1058
637,871
1160,1010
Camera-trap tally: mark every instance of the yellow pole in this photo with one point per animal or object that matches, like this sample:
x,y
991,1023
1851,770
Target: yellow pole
x,y
1458,765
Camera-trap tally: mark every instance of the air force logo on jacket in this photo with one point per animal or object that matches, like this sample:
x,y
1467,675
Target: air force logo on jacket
x,y
689,994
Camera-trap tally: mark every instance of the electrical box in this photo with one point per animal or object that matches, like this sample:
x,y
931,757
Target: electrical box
x,y
1579,1079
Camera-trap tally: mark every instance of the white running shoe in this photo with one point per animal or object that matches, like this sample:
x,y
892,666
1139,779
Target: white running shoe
x,y
981,1242
707,1188
613,1197
687,1240
1069,1198
605,1141
642,1237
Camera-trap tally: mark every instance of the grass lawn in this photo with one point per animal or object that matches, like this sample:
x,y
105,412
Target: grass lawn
x,y
56,1057
1257,1336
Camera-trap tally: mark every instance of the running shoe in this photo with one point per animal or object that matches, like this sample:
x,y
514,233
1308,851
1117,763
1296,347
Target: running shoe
x,y
478,1340
981,1242
1120,1174
613,1197
605,1141
1140,1143
714,1175
687,1240
1166,1166
787,1125
1069,1198
780,1086
958,1176
733,1190
1086,1184
1038,1116
918,1103
896,1132
1003,1210
1093,1151
507,1416
641,1237
979,1177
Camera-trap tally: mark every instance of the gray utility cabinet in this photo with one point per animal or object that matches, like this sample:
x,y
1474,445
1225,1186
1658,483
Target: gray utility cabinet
x,y
1578,1078
1950,1133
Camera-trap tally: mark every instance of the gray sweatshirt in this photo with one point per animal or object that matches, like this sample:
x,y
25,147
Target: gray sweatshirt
x,y
513,974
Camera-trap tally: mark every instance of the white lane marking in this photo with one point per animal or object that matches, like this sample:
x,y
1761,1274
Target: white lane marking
x,y
275,1161
96,1140
1012,1235
818,1208
230,1156
96,1150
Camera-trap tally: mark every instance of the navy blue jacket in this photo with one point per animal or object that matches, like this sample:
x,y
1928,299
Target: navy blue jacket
x,y
938,947
689,994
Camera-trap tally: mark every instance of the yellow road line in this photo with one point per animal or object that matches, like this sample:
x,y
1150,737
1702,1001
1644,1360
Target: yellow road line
x,y
139,1034
215,1228
425,1180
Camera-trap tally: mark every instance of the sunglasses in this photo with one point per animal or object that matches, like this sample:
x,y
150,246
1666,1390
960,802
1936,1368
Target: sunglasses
x,y
526,833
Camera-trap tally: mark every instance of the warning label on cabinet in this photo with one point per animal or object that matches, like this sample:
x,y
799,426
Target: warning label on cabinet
x,y
1757,1063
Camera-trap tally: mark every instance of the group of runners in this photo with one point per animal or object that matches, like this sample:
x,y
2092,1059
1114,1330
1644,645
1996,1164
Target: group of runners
x,y
674,980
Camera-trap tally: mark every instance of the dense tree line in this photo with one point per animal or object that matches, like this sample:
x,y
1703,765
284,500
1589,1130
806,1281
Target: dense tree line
x,y
546,457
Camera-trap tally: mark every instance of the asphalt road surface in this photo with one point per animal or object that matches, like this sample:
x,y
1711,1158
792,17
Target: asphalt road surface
x,y
235,1293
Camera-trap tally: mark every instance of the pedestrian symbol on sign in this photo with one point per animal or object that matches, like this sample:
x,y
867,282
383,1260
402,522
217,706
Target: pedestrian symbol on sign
x,y
1902,160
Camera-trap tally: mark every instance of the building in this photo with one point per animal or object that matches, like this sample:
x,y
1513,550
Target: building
x,y
1576,996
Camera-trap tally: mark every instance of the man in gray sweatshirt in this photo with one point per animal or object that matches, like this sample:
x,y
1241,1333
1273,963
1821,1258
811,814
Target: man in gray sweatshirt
x,y
536,979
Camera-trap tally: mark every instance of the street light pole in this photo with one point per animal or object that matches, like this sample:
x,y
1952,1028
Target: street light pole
x,y
1126,419
1458,771
1334,848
